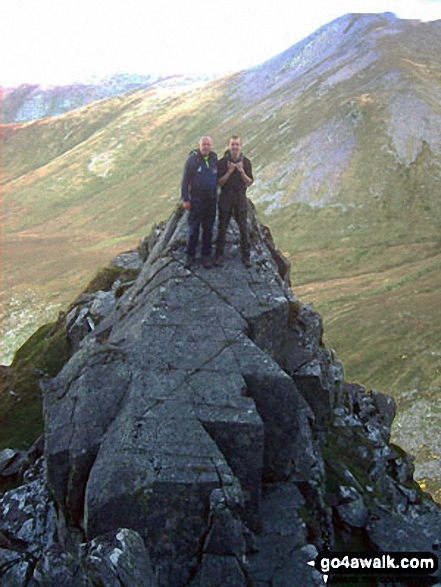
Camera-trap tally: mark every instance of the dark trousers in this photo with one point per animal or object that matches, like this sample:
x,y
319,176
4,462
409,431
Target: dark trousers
x,y
235,204
202,214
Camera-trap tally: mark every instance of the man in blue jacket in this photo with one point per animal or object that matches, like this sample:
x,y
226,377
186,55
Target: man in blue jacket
x,y
198,192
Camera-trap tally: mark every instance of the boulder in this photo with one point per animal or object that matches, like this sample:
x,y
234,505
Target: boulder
x,y
129,260
118,560
417,531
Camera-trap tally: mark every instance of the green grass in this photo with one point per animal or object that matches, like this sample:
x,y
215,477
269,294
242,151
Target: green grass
x,y
106,277
42,356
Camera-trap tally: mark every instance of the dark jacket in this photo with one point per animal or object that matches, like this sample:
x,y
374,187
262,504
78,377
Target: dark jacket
x,y
234,182
198,179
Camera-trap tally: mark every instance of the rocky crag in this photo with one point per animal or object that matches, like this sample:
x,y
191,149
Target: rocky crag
x,y
201,434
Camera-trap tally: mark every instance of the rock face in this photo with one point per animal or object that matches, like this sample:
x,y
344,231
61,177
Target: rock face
x,y
203,435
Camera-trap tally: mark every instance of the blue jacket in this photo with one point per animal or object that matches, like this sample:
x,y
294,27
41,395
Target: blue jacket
x,y
198,179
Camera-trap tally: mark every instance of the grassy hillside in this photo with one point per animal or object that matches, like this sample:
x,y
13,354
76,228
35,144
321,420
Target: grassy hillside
x,y
344,132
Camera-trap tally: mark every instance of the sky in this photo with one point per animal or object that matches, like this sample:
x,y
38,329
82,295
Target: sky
x,y
56,42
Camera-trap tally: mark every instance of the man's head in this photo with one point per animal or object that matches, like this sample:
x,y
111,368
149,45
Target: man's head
x,y
205,146
235,146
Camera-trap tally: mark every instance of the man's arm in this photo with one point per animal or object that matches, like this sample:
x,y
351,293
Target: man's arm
x,y
186,177
224,171
247,178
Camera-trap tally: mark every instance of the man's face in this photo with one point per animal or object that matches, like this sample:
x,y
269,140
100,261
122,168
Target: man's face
x,y
205,146
235,146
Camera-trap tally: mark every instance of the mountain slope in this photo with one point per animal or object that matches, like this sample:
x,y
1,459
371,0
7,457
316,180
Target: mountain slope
x,y
31,101
344,133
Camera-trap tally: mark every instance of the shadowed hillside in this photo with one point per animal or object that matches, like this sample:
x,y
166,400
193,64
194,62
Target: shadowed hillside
x,y
344,133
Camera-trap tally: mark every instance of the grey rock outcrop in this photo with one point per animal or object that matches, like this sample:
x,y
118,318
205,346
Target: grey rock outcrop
x,y
19,465
28,527
87,311
204,424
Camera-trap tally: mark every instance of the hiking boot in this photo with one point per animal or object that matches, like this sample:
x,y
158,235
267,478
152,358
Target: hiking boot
x,y
246,261
207,262
189,262
218,260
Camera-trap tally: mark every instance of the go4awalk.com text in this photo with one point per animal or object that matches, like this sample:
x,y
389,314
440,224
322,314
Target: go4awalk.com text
x,y
396,564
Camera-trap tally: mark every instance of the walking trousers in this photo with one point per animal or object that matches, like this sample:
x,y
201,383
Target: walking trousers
x,y
202,214
232,204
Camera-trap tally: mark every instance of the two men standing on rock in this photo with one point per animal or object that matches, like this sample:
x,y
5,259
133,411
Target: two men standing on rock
x,y
202,173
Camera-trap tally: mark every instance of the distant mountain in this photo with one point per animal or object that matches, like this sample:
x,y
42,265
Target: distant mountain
x,y
32,101
344,132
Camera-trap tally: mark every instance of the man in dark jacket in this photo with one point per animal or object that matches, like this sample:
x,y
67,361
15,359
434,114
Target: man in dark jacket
x,y
198,192
235,175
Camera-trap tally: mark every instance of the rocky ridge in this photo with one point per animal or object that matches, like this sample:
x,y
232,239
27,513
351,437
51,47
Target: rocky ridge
x,y
203,435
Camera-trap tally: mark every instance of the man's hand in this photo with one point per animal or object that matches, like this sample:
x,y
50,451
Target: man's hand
x,y
231,166
246,180
187,205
